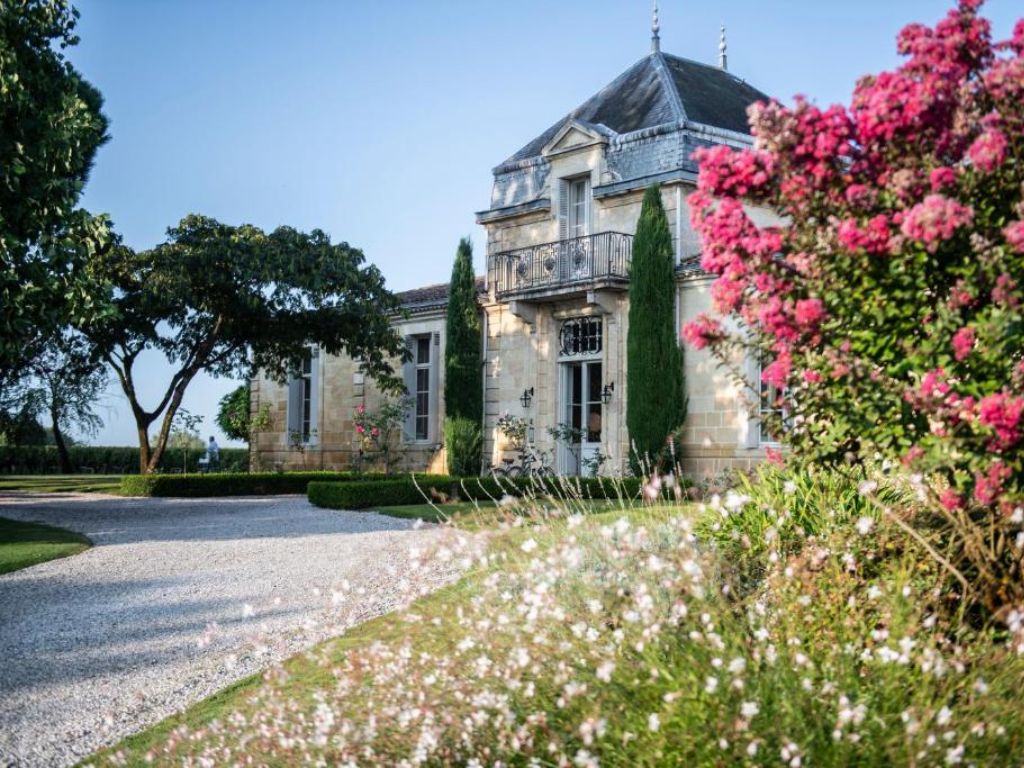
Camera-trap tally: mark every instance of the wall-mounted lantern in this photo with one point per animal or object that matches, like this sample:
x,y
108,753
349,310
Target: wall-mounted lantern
x,y
527,397
606,393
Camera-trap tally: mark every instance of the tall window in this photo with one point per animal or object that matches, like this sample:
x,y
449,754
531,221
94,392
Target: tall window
x,y
303,399
422,393
306,377
579,207
771,405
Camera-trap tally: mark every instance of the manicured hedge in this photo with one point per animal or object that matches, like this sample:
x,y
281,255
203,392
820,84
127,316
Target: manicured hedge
x,y
363,494
117,460
238,483
367,493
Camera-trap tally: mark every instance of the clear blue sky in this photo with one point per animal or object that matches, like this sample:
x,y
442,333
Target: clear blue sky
x,y
379,122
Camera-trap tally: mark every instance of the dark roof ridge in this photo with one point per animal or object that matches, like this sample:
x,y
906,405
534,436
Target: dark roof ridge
x,y
667,83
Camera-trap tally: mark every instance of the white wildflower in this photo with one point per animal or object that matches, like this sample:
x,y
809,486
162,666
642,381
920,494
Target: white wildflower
x,y
865,525
867,487
604,672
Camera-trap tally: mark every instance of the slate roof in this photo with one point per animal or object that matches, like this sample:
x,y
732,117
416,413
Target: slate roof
x,y
657,90
430,296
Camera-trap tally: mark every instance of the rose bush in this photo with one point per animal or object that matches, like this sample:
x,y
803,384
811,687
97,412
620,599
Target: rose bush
x,y
888,300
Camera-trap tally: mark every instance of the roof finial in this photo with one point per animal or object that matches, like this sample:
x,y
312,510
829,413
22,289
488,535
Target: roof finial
x,y
721,50
655,28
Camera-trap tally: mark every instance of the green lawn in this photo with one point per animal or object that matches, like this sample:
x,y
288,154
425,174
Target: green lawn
x,y
61,483
25,544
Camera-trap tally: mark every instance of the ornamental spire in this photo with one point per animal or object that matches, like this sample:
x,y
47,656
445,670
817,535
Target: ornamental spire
x,y
655,28
721,50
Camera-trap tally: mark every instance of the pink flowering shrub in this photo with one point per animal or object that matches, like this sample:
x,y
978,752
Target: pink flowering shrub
x,y
377,431
889,302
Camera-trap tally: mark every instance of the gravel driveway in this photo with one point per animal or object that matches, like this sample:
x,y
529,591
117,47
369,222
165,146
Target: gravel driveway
x,y
177,599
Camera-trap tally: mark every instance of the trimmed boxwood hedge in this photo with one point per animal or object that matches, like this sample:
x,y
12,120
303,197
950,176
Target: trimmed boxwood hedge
x,y
364,493
237,483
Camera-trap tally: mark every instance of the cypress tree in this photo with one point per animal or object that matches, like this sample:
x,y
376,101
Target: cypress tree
x,y
463,374
656,398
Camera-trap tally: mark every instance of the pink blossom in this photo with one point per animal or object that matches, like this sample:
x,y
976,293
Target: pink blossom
x,y
777,372
809,312
860,195
963,343
1005,291
812,377
961,295
1014,234
942,178
915,453
774,456
1002,413
950,500
988,151
933,384
727,293
988,486
936,219
702,331
873,237
726,171
360,428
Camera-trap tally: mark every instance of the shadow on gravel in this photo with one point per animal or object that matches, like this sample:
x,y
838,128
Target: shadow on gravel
x,y
102,631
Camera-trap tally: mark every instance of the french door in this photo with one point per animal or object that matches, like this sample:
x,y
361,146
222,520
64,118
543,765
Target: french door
x,y
583,410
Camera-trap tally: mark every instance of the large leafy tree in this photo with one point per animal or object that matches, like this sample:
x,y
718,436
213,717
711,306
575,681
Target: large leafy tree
x,y
51,125
229,300
68,383
463,366
656,399
890,302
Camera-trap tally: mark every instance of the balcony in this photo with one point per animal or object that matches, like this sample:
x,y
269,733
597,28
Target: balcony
x,y
573,265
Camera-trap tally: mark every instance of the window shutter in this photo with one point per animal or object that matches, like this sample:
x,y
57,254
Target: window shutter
x,y
314,396
587,207
433,432
409,376
294,406
563,209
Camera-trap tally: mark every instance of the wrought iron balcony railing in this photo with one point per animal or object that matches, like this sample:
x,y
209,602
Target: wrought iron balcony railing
x,y
570,263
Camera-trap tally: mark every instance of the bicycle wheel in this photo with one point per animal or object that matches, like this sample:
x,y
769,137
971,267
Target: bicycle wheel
x,y
514,472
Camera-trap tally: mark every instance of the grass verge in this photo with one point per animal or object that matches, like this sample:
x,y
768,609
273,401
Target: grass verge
x,y
61,483
25,544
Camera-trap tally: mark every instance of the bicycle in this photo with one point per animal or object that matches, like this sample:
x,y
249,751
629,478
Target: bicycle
x,y
532,463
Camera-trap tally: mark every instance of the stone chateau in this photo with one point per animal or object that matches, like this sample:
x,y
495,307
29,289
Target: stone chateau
x,y
554,301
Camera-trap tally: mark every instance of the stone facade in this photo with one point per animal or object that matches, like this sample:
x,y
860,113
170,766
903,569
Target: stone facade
x,y
554,303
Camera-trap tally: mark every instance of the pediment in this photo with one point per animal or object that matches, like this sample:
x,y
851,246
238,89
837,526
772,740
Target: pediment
x,y
572,136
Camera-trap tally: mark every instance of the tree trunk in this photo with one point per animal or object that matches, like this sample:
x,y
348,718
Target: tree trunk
x,y
143,446
62,448
168,420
